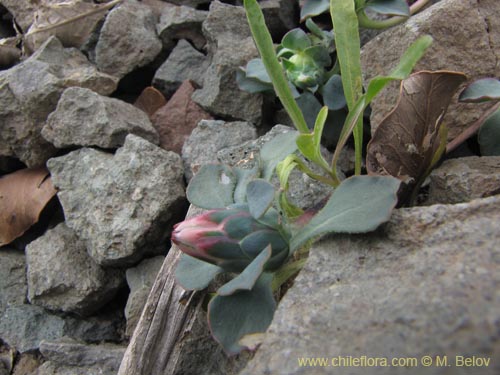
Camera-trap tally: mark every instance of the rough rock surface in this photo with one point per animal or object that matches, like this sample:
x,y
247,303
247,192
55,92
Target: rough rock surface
x,y
62,276
463,179
425,284
122,205
140,279
30,91
183,63
280,15
466,39
85,118
22,10
67,356
13,288
119,55
230,46
25,326
211,136
181,22
176,120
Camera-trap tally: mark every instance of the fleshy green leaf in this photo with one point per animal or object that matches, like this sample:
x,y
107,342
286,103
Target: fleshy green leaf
x,y
296,40
276,150
390,7
333,93
195,274
239,314
319,54
212,187
313,8
481,90
310,107
247,279
489,135
251,85
243,177
358,205
256,69
260,196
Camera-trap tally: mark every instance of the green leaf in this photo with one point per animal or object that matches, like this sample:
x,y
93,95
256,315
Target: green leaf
x,y
310,107
360,204
251,85
256,69
212,187
264,44
333,93
390,7
243,177
481,90
247,279
260,196
234,316
283,171
275,151
296,40
195,274
313,8
489,135
319,54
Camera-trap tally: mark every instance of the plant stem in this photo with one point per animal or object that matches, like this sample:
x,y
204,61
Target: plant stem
x,y
369,23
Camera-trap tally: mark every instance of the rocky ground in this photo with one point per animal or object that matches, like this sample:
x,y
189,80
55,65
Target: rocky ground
x,y
124,118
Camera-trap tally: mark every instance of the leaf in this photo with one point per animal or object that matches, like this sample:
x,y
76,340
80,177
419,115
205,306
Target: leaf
x,y
260,196
237,315
310,107
405,142
296,40
247,279
481,90
264,44
195,274
23,196
358,205
256,69
212,187
150,100
251,85
333,93
489,135
71,22
313,8
243,177
276,150
390,7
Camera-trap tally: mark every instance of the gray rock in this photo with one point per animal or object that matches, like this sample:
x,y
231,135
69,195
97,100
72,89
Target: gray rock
x,y
25,326
463,179
68,352
466,39
140,279
181,22
209,137
128,39
183,63
30,91
230,46
22,10
280,15
62,276
52,368
13,288
122,206
85,118
426,284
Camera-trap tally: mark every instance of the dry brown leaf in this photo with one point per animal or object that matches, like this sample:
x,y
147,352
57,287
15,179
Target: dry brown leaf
x,y
71,22
23,196
404,144
150,100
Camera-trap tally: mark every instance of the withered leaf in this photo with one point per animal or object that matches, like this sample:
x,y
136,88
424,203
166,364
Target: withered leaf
x,y
150,100
71,22
405,142
23,195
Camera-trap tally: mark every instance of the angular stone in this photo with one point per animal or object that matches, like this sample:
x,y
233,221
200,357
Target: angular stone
x,y
62,276
425,284
211,136
13,288
176,120
140,279
22,10
30,91
183,63
463,179
230,46
280,15
128,39
25,326
181,22
123,205
466,39
150,100
85,118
